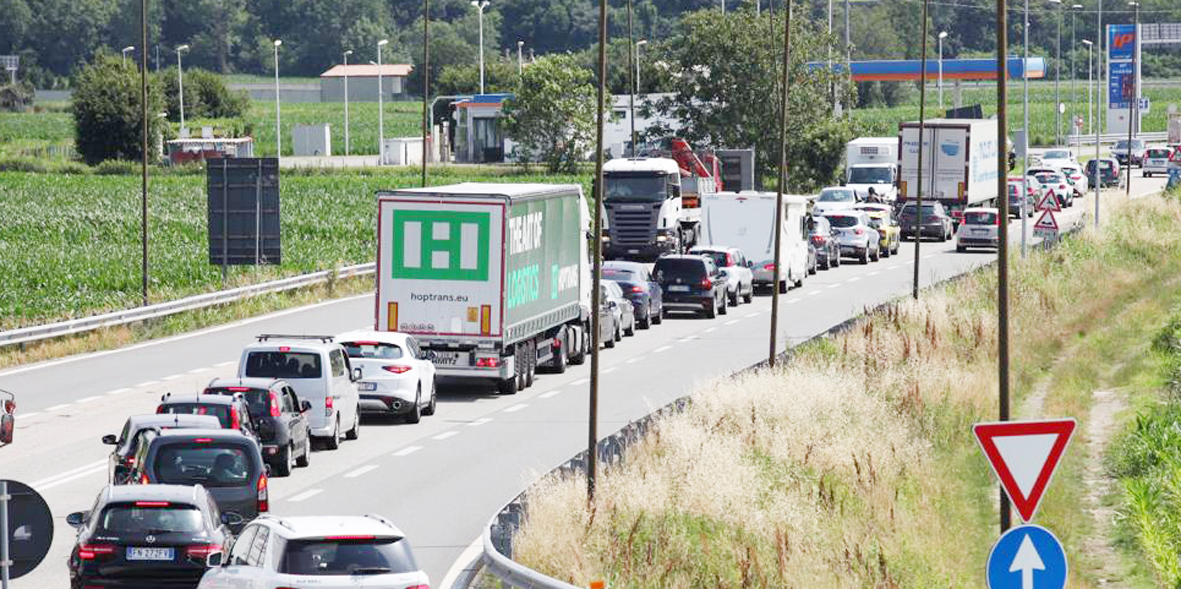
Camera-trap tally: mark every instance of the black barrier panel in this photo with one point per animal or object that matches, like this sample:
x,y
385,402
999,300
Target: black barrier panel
x,y
738,169
243,211
30,529
974,111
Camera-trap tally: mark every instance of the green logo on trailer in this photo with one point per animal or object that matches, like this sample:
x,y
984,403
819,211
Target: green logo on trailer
x,y
441,245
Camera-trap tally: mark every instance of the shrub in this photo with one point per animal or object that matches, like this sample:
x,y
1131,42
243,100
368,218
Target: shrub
x,y
108,119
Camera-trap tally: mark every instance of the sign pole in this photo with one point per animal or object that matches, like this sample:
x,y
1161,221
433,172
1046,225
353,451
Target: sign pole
x,y
785,81
918,213
592,442
4,561
1002,44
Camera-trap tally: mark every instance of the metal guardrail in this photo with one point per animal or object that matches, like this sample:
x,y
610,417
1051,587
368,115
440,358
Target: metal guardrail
x,y
35,333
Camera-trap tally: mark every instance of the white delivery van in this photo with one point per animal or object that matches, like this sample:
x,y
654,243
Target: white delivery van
x,y
746,220
872,162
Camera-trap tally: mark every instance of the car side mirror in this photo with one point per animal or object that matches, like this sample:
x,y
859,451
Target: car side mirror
x,y
305,406
215,559
230,518
76,519
355,375
110,440
266,468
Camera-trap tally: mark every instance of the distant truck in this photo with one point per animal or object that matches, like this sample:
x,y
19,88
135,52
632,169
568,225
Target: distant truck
x,y
746,220
652,205
960,168
872,162
491,279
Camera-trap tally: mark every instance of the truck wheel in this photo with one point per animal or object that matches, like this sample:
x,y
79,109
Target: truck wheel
x,y
578,357
521,366
507,387
531,366
560,358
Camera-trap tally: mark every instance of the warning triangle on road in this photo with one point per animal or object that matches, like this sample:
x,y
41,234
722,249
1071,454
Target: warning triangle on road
x,y
1049,202
1024,455
1046,222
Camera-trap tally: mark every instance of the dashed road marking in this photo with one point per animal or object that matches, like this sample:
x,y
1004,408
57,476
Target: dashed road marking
x,y
445,435
517,407
757,313
70,475
197,370
710,330
609,369
56,407
116,392
662,349
928,256
892,267
789,301
360,471
480,421
226,363
814,293
731,322
853,279
305,495
88,399
874,273
547,395
633,360
837,285
408,450
28,415
580,381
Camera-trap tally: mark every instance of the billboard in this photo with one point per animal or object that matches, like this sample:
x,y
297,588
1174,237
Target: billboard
x,y
1123,74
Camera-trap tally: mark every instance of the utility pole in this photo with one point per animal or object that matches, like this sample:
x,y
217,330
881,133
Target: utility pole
x,y
426,83
592,451
143,104
1134,100
632,66
1074,8
918,219
1025,132
1057,77
1002,46
1098,124
785,82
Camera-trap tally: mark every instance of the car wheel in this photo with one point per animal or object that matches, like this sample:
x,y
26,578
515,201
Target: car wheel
x,y
723,308
712,311
630,331
306,457
355,432
864,256
646,322
619,332
837,262
877,255
334,439
433,404
960,249
282,467
415,414
610,342
750,295
732,300
659,317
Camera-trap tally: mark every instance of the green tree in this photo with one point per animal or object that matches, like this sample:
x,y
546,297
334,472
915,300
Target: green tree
x,y
108,120
552,115
206,95
500,75
728,89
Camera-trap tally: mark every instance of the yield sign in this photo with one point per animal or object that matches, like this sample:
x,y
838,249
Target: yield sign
x,y
1049,202
1046,223
1024,455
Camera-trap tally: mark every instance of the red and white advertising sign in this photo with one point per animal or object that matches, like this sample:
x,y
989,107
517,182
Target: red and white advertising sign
x,y
1024,455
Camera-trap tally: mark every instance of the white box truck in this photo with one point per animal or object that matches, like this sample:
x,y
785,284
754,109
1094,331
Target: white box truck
x,y
491,279
960,167
872,162
746,220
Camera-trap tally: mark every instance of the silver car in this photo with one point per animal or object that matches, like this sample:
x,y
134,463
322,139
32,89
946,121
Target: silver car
x,y
1156,161
856,235
621,308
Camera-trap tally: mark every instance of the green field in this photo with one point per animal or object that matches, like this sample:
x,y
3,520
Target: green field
x,y
401,120
70,244
39,135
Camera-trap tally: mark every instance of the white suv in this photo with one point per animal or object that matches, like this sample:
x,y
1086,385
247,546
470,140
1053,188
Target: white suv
x,y
318,369
328,552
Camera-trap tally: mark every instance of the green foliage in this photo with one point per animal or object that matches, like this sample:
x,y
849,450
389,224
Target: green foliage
x,y
729,88
552,117
108,120
206,95
500,75
16,97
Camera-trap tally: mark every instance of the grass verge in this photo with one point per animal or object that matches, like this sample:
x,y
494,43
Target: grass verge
x,y
854,465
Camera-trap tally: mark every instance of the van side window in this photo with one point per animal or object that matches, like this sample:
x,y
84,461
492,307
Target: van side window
x,y
337,360
241,549
258,549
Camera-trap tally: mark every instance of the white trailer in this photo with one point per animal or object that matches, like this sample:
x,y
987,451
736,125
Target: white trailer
x,y
872,162
960,167
746,220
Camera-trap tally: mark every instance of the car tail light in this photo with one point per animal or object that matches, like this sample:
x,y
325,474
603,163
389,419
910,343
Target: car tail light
x,y
95,551
487,362
274,404
419,587
637,289
707,283
152,504
143,479
557,343
396,368
202,440
264,503
238,389
200,551
235,419
817,239
859,231
769,267
159,409
284,348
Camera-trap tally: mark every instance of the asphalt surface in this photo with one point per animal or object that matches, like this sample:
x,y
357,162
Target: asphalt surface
x,y
440,480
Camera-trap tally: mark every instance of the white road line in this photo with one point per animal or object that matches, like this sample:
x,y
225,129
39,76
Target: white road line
x,y
88,399
580,381
549,394
305,495
408,450
480,421
686,340
360,471
837,285
226,363
710,330
61,481
28,415
147,384
172,377
731,322
517,407
928,256
661,349
789,301
56,407
445,435
874,273
69,473
197,370
116,392
609,369
814,293
757,313
637,358
854,279
892,267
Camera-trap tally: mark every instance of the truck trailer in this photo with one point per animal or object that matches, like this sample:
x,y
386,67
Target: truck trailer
x,y
960,167
746,220
492,279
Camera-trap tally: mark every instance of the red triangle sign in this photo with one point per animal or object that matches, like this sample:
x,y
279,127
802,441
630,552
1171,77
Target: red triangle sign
x,y
1024,455
1046,222
1049,202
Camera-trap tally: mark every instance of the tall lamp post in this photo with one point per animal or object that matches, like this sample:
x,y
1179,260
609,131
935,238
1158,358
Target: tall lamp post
x,y
480,6
942,36
346,100
380,107
1090,72
1074,8
520,60
278,128
180,81
124,52
1057,77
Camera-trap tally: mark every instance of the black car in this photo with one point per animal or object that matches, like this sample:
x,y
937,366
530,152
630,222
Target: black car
x,y
638,287
1016,200
224,461
277,414
824,239
231,411
121,460
936,222
146,536
691,283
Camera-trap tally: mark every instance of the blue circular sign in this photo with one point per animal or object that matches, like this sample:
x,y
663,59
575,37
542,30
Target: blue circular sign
x,y
1027,557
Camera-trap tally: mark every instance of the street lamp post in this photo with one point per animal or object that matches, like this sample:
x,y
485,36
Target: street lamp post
x,y
1134,99
180,82
346,100
520,61
1074,8
124,52
638,44
942,36
278,128
1098,124
1090,72
380,107
480,6
1057,77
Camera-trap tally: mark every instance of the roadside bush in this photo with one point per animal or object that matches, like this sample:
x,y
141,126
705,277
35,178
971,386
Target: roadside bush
x,y
16,97
108,119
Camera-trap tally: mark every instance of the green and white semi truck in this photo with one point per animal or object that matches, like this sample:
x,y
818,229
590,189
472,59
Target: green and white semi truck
x,y
491,279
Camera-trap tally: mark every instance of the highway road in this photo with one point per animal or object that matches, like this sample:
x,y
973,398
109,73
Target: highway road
x,y
442,479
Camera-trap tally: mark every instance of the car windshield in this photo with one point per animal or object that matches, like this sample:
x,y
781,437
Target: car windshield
x,y
258,401
281,364
1056,154
1136,144
211,464
620,274
980,218
870,176
646,188
1049,178
721,260
820,226
835,196
909,210
221,412
372,350
150,517
843,221
357,556
684,268
1014,190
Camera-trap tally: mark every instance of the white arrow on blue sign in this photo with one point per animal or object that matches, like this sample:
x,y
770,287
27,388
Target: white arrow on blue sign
x,y
1027,557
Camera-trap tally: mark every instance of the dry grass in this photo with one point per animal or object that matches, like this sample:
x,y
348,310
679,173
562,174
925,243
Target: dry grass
x,y
853,466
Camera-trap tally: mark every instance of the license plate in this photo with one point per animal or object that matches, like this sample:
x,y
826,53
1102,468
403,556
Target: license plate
x,y
678,288
633,251
979,231
141,553
366,386
446,358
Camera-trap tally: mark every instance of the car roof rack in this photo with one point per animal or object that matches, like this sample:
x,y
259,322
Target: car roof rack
x,y
270,336
276,519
